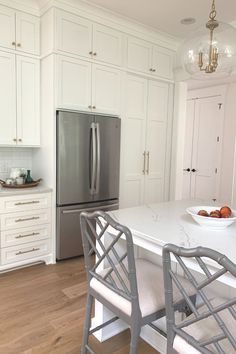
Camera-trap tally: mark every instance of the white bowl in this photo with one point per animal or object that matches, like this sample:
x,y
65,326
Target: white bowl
x,y
208,222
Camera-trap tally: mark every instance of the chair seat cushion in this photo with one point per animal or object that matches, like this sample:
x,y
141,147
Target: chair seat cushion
x,y
150,289
206,329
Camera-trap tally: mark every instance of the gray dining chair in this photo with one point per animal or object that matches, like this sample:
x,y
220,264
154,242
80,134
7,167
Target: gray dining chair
x,y
132,289
211,328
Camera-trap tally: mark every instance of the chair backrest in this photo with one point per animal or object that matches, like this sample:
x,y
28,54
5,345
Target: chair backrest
x,y
220,312
101,234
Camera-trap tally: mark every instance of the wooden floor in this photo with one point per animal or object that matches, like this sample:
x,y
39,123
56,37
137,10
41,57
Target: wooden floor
x,y
42,311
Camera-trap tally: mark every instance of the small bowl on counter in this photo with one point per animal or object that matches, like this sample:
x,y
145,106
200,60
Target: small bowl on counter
x,y
210,222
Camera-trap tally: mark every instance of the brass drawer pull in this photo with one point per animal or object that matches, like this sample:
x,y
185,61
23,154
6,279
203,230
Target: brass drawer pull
x,y
28,219
23,252
148,156
144,162
25,203
28,235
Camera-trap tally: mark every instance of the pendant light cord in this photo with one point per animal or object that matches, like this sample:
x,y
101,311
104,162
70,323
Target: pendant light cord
x,y
212,14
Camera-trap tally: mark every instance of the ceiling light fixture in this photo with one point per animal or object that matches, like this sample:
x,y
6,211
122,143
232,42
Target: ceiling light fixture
x,y
210,52
188,21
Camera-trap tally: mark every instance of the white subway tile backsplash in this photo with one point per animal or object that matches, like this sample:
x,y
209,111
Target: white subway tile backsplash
x,y
14,157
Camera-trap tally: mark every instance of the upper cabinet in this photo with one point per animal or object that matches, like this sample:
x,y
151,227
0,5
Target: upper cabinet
x,y
150,59
19,31
78,36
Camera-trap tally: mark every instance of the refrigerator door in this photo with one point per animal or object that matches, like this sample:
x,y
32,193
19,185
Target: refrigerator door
x,y
107,158
75,157
69,238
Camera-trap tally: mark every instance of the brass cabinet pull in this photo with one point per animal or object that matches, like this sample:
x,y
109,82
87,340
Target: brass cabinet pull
x,y
153,70
94,107
14,139
90,107
148,156
23,252
13,43
144,161
28,219
18,45
91,53
94,54
25,203
28,235
20,140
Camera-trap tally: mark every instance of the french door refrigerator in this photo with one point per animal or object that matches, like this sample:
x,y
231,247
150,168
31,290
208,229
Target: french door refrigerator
x,y
88,160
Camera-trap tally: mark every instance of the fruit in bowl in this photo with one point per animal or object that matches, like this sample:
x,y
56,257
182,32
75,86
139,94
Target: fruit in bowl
x,y
212,217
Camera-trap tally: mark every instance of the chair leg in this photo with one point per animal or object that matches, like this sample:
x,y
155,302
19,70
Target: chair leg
x,y
87,323
135,333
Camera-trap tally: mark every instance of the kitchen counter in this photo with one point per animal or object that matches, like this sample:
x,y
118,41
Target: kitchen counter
x,y
8,192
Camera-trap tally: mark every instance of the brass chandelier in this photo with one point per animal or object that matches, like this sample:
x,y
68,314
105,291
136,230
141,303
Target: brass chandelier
x,y
209,51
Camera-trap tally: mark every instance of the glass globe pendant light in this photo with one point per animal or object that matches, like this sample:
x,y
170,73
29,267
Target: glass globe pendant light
x,y
210,52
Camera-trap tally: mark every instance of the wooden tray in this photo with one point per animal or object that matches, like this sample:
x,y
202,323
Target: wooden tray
x,y
19,186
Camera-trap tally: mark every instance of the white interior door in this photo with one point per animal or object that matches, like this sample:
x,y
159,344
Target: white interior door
x,y
106,87
206,156
7,99
156,137
27,33
133,142
7,27
74,84
107,44
28,110
188,148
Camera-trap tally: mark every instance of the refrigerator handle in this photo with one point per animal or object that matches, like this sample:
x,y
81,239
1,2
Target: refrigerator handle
x,y
98,164
93,158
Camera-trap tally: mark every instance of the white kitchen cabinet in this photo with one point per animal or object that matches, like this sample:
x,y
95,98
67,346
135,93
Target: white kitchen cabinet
x,y
106,87
88,87
27,33
79,36
7,27
19,100
28,111
73,34
7,99
143,177
19,31
25,229
150,59
107,45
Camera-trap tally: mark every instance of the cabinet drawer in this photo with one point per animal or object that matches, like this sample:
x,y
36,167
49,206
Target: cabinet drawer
x,y
25,219
25,202
25,235
23,252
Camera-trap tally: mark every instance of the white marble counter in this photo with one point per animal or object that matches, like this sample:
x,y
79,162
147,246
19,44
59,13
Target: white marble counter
x,y
8,192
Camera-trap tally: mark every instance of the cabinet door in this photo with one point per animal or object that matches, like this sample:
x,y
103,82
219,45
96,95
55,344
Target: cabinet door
x,y
156,139
106,89
107,45
28,114
139,55
133,142
7,99
7,27
27,33
73,34
74,84
162,62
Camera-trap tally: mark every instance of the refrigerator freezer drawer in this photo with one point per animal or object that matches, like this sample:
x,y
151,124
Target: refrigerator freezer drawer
x,y
69,238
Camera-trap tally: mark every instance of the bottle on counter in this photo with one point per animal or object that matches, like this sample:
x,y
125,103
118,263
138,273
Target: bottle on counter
x,y
28,178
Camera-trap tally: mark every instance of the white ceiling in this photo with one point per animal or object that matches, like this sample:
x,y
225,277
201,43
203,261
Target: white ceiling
x,y
165,15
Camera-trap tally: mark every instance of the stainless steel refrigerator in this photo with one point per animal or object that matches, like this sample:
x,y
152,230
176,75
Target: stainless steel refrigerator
x,y
88,160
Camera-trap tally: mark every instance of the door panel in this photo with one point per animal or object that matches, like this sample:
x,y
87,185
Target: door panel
x,y
106,87
107,44
139,55
133,142
27,33
7,99
73,158
108,158
73,34
188,148
156,142
28,111
162,62
74,84
7,27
